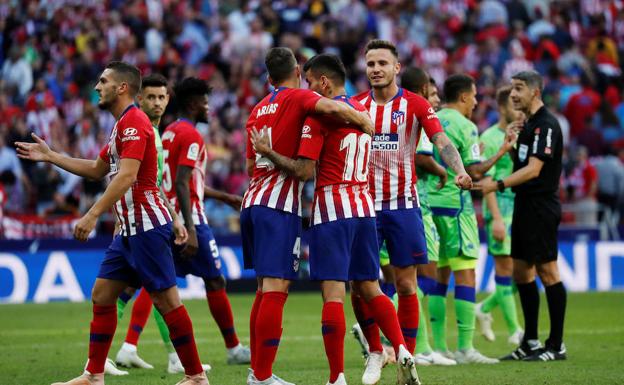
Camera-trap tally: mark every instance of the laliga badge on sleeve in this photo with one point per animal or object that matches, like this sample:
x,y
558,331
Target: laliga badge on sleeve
x,y
522,152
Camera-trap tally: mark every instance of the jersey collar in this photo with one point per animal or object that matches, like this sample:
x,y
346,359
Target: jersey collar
x,y
343,98
126,110
275,92
398,95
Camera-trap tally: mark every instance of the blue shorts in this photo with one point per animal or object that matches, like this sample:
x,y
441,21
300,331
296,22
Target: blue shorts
x,y
345,249
271,242
404,234
143,259
206,264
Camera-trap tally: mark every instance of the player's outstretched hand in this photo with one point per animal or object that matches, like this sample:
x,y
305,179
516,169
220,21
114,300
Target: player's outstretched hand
x,y
463,181
190,249
511,137
234,201
181,235
84,227
485,186
37,152
260,141
368,126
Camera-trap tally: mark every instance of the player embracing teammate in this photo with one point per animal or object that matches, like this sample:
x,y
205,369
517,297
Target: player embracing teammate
x,y
343,236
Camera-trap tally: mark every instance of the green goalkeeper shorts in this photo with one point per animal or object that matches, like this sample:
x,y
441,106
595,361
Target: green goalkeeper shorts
x,y
431,236
459,238
505,205
384,257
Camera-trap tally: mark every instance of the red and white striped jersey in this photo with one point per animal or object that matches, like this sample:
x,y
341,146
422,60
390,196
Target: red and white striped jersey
x,y
342,153
184,146
141,208
282,112
392,174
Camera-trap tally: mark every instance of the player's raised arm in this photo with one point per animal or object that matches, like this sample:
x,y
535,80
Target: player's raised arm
x,y
300,168
41,152
121,182
477,171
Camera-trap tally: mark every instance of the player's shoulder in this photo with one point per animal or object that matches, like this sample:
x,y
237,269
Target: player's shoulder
x,y
362,97
413,97
135,117
355,103
490,132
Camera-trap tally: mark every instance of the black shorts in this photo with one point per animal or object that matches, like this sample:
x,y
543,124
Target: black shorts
x,y
534,229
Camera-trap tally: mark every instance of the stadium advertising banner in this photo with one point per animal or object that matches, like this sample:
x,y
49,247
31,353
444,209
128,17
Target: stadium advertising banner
x,y
65,271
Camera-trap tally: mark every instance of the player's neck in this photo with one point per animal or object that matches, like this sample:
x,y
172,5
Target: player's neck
x,y
288,83
502,125
155,122
187,116
459,108
535,106
383,95
333,92
118,108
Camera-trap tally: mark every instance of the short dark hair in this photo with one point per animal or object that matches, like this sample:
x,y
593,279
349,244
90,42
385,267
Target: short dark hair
x,y
280,62
532,79
188,89
502,95
455,85
382,44
414,79
127,73
154,80
328,65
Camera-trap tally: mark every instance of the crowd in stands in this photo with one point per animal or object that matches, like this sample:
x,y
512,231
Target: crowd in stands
x,y
51,53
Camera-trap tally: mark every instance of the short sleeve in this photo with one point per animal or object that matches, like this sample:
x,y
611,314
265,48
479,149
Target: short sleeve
x,y
544,141
425,147
250,153
426,116
308,100
134,137
470,151
189,146
104,154
312,138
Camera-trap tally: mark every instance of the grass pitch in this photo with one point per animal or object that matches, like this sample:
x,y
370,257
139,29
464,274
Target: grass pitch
x,y
40,344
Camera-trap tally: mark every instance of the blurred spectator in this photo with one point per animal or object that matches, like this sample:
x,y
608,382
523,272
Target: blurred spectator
x,y
582,185
17,74
582,106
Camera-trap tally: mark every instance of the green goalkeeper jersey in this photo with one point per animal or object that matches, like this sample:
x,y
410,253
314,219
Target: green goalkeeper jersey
x,y
425,147
463,133
159,151
493,139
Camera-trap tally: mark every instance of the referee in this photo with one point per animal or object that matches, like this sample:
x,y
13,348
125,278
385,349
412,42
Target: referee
x,y
535,180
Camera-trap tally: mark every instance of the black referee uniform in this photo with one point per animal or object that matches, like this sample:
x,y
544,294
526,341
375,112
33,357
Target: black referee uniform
x,y
537,209
536,217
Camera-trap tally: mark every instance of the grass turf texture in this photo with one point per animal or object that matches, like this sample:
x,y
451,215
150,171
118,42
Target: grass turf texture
x,y
43,343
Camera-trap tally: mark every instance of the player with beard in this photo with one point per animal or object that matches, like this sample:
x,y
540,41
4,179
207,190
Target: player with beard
x,y
185,160
141,254
399,116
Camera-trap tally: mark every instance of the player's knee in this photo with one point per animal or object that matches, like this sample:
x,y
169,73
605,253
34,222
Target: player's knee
x,y
215,284
405,285
549,275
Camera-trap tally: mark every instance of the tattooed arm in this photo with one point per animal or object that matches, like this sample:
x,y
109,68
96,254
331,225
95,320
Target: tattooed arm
x,y
451,157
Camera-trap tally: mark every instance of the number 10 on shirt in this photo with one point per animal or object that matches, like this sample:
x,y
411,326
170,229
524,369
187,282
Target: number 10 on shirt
x,y
357,146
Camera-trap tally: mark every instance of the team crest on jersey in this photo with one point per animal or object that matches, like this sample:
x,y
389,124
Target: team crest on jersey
x,y
398,117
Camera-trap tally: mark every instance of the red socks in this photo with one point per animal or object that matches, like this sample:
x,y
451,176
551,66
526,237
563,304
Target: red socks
x,y
253,316
268,333
408,319
365,318
221,310
334,329
102,331
140,313
386,318
181,333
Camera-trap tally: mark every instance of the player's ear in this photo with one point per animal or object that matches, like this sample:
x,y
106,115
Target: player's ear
x,y
397,67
